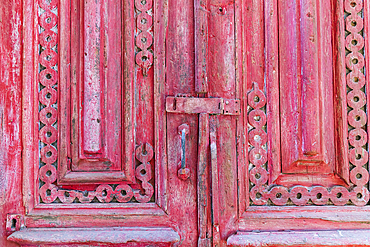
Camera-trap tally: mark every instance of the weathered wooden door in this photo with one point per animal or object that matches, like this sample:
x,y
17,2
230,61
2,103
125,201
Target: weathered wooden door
x,y
184,123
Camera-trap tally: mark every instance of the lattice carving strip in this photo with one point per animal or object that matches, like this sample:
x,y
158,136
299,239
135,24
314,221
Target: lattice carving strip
x,y
144,38
49,192
358,194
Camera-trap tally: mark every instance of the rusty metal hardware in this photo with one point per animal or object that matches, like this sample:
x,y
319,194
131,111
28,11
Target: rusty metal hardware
x,y
14,222
184,172
218,106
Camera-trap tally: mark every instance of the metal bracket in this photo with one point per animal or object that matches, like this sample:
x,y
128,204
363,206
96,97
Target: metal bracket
x,y
14,222
218,106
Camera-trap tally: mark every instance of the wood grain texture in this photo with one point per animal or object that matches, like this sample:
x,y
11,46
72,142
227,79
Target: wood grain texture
x,y
298,239
277,63
11,51
96,236
306,92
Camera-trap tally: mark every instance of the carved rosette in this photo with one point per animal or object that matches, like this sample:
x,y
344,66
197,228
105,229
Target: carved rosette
x,y
261,193
257,138
49,191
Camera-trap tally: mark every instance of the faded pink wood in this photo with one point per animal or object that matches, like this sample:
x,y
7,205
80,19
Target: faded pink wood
x,y
93,78
215,182
201,16
104,70
12,32
249,42
301,238
117,236
304,65
204,199
180,80
306,92
222,83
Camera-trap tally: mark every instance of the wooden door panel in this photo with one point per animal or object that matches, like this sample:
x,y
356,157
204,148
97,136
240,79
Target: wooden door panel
x,y
310,96
103,166
88,150
100,87
306,87
307,104
272,96
95,129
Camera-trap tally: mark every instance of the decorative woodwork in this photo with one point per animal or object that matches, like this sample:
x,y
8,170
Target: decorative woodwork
x,y
184,123
313,169
144,40
94,155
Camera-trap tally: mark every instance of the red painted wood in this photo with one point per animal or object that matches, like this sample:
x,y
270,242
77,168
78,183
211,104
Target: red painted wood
x,y
222,74
204,199
12,33
100,86
201,17
97,236
107,76
305,64
300,239
294,71
267,88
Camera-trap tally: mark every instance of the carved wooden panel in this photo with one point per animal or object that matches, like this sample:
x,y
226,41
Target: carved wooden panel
x,y
86,96
306,88
96,127
305,157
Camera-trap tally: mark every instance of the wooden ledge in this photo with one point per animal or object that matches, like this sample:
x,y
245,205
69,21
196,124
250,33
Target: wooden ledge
x,y
301,238
111,236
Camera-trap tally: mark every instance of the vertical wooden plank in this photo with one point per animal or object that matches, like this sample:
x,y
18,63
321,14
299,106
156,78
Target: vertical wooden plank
x,y
180,48
161,172
289,66
204,221
70,121
93,77
92,104
215,181
272,81
11,51
255,43
128,142
241,88
222,78
309,20
201,15
67,129
222,49
113,82
29,103
306,88
340,90
325,75
180,80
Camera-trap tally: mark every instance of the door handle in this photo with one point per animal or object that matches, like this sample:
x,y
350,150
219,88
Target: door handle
x,y
184,172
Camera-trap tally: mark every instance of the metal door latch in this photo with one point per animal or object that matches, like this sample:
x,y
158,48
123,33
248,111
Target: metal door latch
x,y
188,105
184,172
